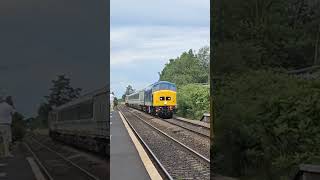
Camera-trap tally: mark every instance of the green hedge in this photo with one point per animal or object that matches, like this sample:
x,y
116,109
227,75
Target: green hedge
x,y
193,101
18,128
266,123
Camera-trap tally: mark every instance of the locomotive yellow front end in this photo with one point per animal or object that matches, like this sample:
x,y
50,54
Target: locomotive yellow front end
x,y
165,99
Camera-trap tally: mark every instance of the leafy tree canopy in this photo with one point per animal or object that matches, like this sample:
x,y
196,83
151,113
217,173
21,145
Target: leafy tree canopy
x,y
188,68
265,33
62,92
270,133
129,90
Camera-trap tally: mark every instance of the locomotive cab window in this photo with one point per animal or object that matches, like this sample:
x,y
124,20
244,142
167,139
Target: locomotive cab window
x,y
167,86
168,98
162,98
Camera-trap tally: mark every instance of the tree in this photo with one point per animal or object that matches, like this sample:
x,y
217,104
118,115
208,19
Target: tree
x,y
129,90
204,57
18,126
265,33
115,101
188,68
62,92
43,113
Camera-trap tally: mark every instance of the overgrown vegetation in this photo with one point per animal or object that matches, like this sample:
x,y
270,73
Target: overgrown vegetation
x,y
193,101
188,68
266,122
190,72
18,127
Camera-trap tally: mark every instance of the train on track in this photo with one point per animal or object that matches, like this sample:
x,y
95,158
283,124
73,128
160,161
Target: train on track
x,y
83,122
158,99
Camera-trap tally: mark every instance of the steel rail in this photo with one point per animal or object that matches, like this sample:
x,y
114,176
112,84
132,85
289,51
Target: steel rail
x,y
184,127
175,119
170,137
147,147
65,159
43,168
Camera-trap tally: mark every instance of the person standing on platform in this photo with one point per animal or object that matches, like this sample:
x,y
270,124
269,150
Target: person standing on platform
x,y
6,113
111,101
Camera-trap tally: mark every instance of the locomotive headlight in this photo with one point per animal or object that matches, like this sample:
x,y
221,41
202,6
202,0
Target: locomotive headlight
x,y
165,102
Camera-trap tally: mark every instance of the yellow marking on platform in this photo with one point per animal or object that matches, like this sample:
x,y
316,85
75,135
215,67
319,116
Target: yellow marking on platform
x,y
35,168
151,169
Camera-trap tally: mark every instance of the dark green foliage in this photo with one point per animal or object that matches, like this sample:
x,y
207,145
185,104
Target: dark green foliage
x,y
188,68
36,123
18,127
193,101
259,33
43,113
266,124
115,101
62,92
186,71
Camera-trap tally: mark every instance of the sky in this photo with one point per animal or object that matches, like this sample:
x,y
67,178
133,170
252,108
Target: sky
x,y
145,34
40,39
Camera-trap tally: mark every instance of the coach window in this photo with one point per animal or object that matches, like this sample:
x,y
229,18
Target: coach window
x,y
86,110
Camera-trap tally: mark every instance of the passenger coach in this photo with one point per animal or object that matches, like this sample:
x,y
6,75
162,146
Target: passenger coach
x,y
83,122
157,99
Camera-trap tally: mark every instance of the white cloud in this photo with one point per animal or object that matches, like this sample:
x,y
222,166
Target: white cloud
x,y
136,44
145,34
164,11
139,53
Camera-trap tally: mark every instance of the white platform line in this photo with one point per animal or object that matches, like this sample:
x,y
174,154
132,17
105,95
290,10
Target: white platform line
x,y
151,169
35,168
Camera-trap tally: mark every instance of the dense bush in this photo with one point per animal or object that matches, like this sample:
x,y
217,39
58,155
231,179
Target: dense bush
x,y
266,123
18,128
193,100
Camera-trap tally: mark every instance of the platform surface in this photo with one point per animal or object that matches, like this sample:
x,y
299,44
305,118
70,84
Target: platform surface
x,y
125,162
17,167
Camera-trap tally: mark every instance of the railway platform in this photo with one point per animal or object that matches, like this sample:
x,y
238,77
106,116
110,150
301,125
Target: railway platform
x,y
21,166
128,160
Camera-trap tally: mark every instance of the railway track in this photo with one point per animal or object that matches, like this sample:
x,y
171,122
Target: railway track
x,y
195,128
55,165
176,160
186,135
204,131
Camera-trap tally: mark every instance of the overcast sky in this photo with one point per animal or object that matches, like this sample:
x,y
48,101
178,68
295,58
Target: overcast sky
x,y
145,34
42,38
